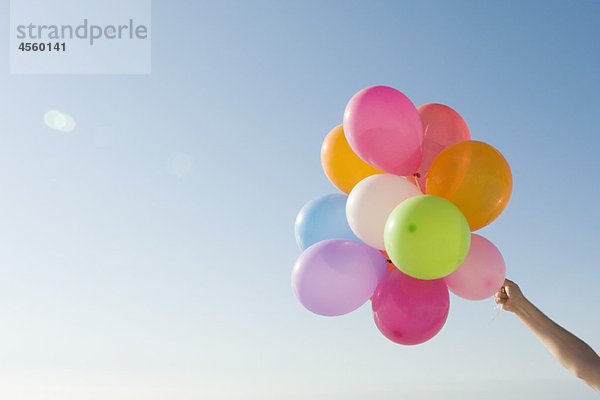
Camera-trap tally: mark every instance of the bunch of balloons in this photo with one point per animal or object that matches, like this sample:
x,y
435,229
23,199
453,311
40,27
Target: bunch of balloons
x,y
415,188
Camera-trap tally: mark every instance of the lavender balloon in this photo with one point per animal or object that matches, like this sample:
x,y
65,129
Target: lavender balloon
x,y
336,276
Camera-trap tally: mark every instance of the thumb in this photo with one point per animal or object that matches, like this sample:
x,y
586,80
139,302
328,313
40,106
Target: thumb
x,y
510,288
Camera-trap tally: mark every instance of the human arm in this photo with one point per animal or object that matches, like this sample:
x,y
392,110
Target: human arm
x,y
574,354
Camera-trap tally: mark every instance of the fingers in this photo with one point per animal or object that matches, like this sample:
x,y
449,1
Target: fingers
x,y
503,289
500,294
501,302
503,295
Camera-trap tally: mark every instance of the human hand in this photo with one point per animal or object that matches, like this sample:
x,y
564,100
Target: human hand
x,y
510,297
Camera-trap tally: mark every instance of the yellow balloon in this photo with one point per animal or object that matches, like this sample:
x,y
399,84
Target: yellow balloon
x,y
341,165
475,177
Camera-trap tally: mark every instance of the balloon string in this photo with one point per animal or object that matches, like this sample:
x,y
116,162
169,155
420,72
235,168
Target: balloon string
x,y
499,310
417,176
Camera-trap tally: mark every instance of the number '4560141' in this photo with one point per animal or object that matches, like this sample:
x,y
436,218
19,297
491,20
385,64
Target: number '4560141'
x,y
42,46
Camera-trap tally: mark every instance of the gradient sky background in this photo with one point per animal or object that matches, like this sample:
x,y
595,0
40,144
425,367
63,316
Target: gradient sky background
x,y
147,254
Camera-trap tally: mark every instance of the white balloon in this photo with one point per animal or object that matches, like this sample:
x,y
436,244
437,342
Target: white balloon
x,y
370,203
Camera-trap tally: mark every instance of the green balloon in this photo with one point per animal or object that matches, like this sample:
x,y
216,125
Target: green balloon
x,y
427,237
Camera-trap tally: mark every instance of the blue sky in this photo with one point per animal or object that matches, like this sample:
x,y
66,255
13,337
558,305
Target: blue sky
x,y
121,278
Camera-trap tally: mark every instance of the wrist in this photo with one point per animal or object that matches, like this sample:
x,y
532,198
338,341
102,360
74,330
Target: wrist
x,y
522,307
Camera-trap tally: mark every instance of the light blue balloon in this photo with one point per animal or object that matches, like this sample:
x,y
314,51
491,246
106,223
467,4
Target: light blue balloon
x,y
322,219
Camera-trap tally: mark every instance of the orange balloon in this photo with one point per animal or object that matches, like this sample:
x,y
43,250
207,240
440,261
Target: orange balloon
x,y
475,177
341,165
391,265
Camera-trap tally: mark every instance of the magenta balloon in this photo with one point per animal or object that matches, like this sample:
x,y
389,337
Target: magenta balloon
x,y
408,310
481,274
384,128
336,276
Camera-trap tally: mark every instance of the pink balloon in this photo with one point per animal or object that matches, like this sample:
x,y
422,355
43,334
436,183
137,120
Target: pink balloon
x,y
481,274
384,128
410,311
442,126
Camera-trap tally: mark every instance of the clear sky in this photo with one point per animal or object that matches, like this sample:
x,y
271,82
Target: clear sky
x,y
147,254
